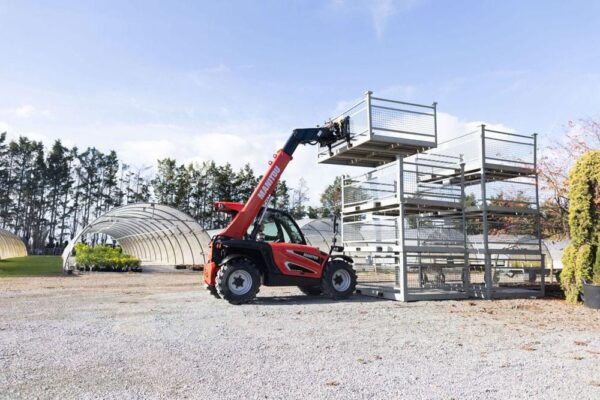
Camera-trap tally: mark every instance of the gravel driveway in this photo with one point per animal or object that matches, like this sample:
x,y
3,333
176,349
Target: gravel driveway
x,y
138,336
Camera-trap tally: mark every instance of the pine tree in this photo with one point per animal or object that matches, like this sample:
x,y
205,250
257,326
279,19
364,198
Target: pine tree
x,y
281,196
244,182
5,171
164,181
57,179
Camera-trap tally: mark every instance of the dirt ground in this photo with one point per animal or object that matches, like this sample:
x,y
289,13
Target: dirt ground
x,y
159,335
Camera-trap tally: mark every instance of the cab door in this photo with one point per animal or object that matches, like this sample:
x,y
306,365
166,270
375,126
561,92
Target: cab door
x,y
290,252
298,259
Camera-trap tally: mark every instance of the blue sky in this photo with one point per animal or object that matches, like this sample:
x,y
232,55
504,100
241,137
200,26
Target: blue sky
x,y
230,79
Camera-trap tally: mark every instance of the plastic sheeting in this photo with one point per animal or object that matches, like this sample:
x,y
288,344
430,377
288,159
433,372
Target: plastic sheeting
x,y
155,233
318,232
11,245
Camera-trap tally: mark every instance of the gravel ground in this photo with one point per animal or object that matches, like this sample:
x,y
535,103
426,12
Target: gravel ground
x,y
134,336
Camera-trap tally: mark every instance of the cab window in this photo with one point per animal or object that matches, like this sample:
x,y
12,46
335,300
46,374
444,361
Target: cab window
x,y
280,228
290,230
270,230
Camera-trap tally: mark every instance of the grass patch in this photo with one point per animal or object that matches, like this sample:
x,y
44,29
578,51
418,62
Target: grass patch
x,y
31,266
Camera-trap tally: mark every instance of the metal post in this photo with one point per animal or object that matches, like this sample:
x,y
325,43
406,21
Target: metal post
x,y
463,201
537,218
369,115
484,216
401,273
343,179
435,122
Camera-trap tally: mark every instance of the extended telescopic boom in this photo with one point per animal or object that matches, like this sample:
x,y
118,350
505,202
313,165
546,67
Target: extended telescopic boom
x,y
324,136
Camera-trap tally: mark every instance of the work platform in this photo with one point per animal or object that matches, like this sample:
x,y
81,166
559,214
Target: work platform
x,y
381,130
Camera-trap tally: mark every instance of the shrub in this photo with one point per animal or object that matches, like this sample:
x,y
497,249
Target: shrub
x,y
581,259
104,258
570,285
83,254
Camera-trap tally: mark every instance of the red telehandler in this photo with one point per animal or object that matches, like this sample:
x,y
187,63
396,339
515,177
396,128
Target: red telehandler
x,y
265,246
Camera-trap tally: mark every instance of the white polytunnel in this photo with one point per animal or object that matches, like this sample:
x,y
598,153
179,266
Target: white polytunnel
x,y
318,232
154,233
11,245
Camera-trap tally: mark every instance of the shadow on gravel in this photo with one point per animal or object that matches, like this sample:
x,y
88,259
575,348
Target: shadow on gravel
x,y
310,300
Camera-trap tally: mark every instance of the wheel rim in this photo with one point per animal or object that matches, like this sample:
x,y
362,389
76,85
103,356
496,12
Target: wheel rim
x,y
340,280
239,282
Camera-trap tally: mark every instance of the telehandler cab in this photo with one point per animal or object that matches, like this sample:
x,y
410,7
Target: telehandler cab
x,y
265,246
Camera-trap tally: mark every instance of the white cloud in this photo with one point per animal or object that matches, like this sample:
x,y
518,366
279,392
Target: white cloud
x,y
381,11
224,146
450,126
4,126
25,111
145,152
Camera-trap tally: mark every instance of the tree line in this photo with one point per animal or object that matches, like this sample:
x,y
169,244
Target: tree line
x,y
48,194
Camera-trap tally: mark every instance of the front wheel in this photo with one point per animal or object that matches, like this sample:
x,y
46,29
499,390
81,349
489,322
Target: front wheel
x,y
238,281
212,290
339,280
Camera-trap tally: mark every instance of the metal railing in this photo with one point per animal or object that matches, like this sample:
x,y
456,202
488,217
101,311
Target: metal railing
x,y
489,146
424,177
427,177
381,232
391,120
375,185
509,149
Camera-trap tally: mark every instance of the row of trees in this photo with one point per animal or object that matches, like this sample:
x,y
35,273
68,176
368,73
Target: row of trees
x,y
193,189
48,194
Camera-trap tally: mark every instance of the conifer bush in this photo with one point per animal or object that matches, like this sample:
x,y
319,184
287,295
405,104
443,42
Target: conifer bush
x,y
581,258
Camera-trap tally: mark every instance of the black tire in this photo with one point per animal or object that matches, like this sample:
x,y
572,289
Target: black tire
x,y
311,290
212,290
238,281
339,280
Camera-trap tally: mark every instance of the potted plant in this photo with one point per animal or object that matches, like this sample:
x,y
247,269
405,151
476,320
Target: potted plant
x,y
581,258
82,256
591,289
136,264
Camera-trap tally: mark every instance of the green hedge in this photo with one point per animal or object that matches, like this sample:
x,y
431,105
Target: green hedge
x,y
104,258
581,258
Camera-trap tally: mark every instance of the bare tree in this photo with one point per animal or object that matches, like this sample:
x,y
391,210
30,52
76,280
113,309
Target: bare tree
x,y
581,136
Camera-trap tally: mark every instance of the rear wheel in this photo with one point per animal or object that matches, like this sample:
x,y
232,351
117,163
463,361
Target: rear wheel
x,y
311,290
339,280
238,281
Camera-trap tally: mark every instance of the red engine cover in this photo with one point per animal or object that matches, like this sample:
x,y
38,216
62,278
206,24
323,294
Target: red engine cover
x,y
298,259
